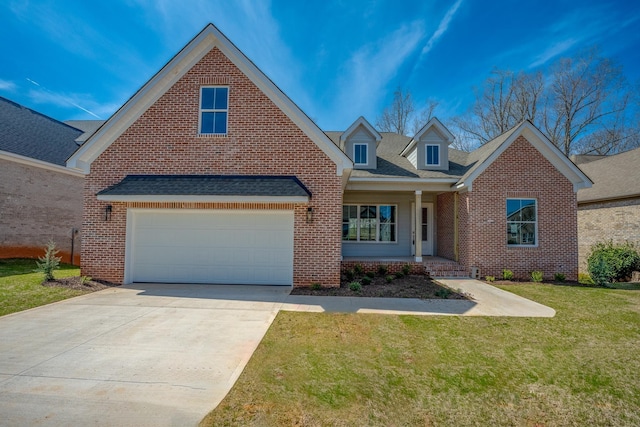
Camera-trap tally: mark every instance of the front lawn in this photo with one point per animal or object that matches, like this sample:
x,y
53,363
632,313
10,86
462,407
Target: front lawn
x,y
21,288
581,367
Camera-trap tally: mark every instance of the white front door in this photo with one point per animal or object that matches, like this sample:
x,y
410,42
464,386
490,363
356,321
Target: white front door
x,y
427,229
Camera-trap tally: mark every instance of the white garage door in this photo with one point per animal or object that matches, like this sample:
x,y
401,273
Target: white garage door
x,y
197,246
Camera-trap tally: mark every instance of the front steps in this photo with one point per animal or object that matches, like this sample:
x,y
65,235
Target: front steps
x,y
445,268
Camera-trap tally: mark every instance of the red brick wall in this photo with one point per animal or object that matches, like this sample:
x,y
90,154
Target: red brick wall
x,y
520,172
445,228
261,140
38,205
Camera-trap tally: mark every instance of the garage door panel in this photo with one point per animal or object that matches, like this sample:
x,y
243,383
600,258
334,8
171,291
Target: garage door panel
x,y
243,247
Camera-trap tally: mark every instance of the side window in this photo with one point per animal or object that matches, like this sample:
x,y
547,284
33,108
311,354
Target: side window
x,y
214,108
360,154
522,222
432,155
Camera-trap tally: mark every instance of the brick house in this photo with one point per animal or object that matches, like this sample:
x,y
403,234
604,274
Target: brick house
x,y
40,198
210,174
610,209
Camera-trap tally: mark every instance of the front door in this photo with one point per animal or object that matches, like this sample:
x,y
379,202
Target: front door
x,y
426,226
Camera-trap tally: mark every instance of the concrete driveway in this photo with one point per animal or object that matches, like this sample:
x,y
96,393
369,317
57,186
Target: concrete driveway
x,y
154,355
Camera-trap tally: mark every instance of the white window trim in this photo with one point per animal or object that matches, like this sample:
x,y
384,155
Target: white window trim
x,y
426,155
377,241
212,110
516,245
366,163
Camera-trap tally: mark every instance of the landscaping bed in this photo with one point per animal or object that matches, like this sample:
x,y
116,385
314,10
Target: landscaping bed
x,y
79,283
407,286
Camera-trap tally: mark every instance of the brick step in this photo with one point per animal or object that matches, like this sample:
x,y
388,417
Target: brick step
x,y
446,269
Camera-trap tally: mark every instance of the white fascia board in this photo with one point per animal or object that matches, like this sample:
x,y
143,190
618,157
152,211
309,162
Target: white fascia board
x,y
365,123
203,199
394,184
12,157
404,180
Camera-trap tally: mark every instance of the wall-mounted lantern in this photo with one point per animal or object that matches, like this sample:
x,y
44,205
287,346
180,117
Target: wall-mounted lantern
x,y
309,214
107,212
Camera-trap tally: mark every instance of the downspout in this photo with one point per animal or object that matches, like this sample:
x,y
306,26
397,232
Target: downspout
x,y
456,255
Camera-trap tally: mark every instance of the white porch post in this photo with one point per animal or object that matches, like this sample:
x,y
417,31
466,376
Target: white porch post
x,y
418,217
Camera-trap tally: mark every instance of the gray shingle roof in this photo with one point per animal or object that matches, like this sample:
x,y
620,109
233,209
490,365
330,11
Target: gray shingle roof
x,y
207,185
31,134
613,177
89,127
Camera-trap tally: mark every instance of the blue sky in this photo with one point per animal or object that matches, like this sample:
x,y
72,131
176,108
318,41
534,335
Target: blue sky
x,y
336,59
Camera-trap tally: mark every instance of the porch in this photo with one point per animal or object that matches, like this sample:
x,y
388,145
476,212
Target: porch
x,y
433,266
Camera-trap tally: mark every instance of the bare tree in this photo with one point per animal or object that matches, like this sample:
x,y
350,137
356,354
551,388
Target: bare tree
x,y
422,118
395,118
581,105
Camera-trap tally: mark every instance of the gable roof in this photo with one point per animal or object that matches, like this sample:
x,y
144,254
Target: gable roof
x,y
433,123
210,37
361,121
27,133
614,177
480,159
88,127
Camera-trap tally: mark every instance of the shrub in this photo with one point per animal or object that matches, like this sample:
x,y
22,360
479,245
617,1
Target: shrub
x,y
609,262
537,276
358,269
490,279
366,280
507,274
389,278
399,274
349,274
584,279
406,269
316,286
443,293
370,274
383,269
49,262
559,277
355,286
84,280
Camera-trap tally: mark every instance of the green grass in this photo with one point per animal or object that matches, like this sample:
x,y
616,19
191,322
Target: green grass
x,y
21,288
581,367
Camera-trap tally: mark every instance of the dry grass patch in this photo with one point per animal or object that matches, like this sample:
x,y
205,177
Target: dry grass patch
x,y
580,368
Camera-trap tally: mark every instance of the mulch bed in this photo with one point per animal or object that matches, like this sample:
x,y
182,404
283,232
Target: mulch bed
x,y
411,286
76,283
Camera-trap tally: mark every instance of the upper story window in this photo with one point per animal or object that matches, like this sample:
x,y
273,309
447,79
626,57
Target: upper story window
x,y
214,108
432,155
522,222
360,153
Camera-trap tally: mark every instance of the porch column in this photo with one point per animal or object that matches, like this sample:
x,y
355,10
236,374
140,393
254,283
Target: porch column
x,y
418,226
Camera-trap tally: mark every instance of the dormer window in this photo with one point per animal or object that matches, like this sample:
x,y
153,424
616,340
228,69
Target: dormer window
x,y
432,154
360,154
214,108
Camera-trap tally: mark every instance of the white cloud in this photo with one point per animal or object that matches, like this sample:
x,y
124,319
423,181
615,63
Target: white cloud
x,y
442,28
556,49
369,71
7,85
84,104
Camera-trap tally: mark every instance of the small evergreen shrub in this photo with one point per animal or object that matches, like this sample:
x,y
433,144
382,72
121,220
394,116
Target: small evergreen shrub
x,y
349,274
358,269
507,274
559,277
316,286
355,286
443,293
370,274
399,274
366,280
609,262
584,279
537,276
389,278
490,279
49,262
84,280
383,269
406,269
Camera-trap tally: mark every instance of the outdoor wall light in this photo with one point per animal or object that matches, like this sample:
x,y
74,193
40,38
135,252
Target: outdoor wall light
x,y
107,212
309,214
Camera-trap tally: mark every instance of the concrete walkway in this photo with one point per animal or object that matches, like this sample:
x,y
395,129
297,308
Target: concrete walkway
x,y
164,355
485,300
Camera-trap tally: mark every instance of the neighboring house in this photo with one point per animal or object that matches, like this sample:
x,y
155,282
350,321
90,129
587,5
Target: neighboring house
x,y
610,210
210,174
40,198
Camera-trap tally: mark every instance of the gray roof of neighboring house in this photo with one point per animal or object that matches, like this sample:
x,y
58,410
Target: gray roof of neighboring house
x,y
89,127
580,159
32,134
207,185
614,177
